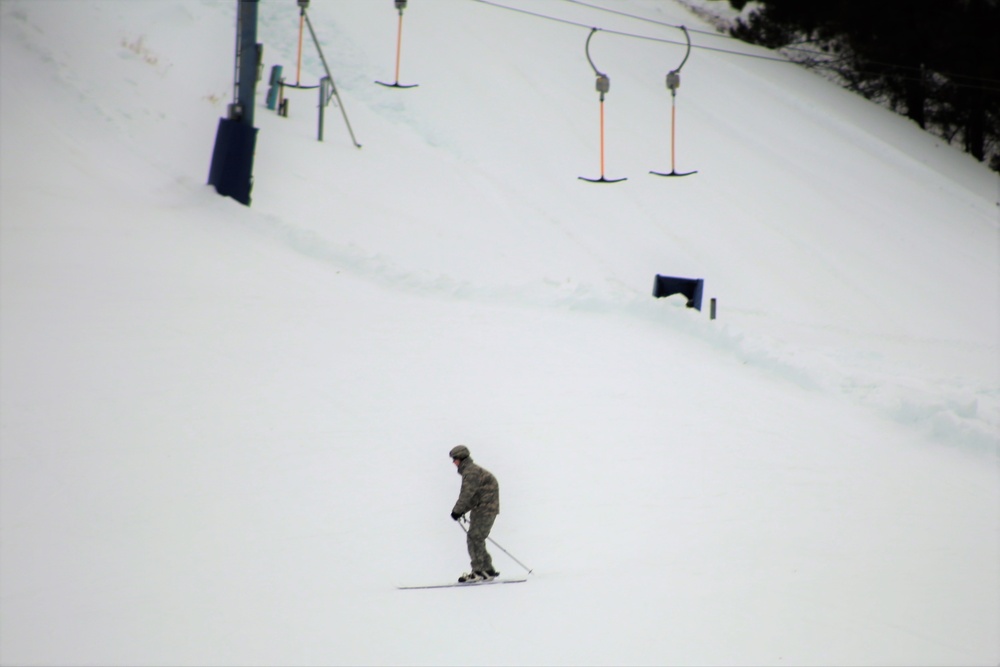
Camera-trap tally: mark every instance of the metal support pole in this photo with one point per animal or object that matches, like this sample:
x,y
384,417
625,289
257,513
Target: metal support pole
x,y
274,88
298,68
602,135
673,132
231,171
333,86
303,5
247,52
399,42
324,99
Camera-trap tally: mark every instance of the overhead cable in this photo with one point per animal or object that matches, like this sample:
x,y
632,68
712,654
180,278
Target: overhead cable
x,y
984,83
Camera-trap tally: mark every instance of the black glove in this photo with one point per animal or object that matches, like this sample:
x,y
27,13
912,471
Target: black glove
x,y
455,517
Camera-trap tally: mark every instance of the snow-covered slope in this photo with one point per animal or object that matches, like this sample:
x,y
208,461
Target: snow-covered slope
x,y
225,429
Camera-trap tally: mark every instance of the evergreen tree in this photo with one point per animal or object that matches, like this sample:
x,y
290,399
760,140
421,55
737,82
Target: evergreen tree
x,y
937,61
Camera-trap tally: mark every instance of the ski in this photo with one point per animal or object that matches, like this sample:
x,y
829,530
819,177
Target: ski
x,y
457,584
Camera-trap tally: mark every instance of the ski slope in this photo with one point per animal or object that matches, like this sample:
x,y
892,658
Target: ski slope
x,y
224,430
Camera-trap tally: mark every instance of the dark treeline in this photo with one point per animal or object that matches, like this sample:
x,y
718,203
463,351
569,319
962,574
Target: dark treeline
x,y
937,61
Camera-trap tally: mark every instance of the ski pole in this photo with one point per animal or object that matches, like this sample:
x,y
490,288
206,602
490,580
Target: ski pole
x,y
462,524
509,554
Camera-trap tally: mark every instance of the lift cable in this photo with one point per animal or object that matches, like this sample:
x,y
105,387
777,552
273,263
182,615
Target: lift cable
x,y
983,83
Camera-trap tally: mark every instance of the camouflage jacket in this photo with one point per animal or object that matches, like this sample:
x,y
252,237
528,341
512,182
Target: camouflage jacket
x,y
480,490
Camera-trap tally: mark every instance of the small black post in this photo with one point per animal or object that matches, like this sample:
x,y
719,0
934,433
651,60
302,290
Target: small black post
x,y
712,308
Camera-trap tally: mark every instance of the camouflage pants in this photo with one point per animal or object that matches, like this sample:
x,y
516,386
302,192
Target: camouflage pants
x,y
479,530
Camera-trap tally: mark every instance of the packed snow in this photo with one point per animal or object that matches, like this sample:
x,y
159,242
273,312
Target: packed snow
x,y
225,429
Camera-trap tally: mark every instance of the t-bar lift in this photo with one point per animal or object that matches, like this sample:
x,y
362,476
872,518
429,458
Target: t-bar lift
x,y
673,83
603,86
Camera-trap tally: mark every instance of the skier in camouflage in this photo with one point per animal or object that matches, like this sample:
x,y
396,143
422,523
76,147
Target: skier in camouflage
x,y
480,494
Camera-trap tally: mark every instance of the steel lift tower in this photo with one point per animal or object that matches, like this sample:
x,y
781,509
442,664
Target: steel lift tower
x,y
232,159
